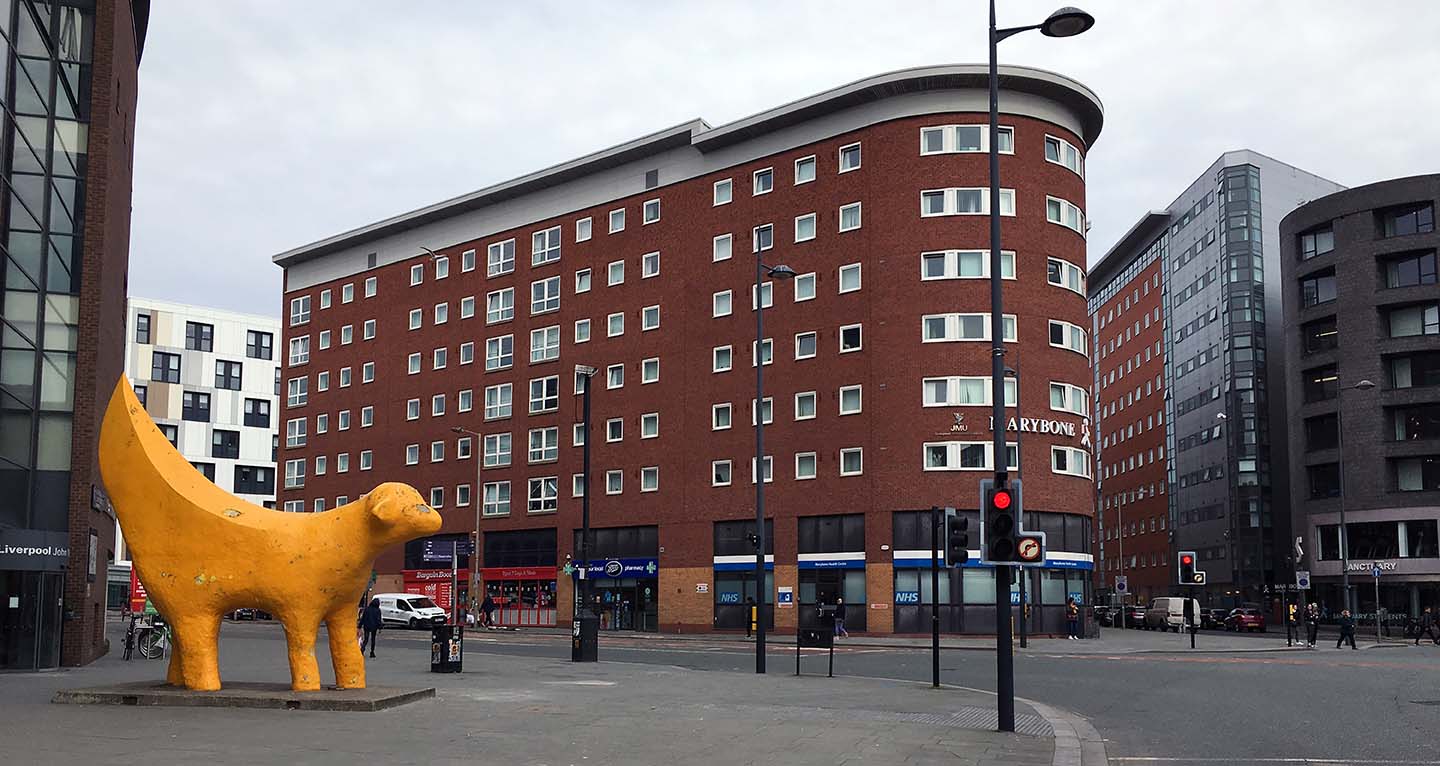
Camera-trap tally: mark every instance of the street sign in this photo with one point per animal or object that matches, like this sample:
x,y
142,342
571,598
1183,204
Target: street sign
x,y
1122,583
1029,549
1302,579
1375,571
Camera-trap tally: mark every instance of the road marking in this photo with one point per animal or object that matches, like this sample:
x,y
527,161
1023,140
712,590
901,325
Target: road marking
x,y
1314,761
579,683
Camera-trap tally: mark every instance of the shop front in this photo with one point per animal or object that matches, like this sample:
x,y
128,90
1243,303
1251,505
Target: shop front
x,y
734,586
831,563
440,586
32,588
523,596
626,592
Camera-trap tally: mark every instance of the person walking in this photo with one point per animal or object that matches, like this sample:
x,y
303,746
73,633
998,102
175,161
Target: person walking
x,y
370,624
1312,623
1427,626
1072,619
840,618
1347,630
487,611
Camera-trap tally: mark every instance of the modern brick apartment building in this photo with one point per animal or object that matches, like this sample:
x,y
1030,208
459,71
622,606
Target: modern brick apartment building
x,y
69,146
638,260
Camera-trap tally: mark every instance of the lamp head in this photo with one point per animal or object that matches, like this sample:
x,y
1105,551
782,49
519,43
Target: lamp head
x,y
781,271
1067,22
1365,385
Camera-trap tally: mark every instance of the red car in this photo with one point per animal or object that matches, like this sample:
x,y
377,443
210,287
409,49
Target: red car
x,y
1246,619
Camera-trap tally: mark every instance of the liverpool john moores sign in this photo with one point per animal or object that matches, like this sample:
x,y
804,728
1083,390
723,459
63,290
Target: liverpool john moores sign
x,y
34,550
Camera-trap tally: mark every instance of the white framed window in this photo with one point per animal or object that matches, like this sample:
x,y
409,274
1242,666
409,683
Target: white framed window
x,y
417,318
768,468
804,287
294,474
295,432
299,310
650,265
767,295
462,494
953,139
1065,397
417,274
467,261
850,338
720,473
850,217
964,264
500,306
437,405
347,335
1070,461
617,220
852,461
583,228
721,416
805,170
324,340
849,278
964,201
412,454
412,364
342,420
649,318
949,328
367,372
720,247
767,410
544,394
767,351
615,325
615,376
437,452
545,344
1066,335
614,482
650,425
721,303
805,344
347,292
650,478
805,463
545,246
805,405
762,238
650,370
367,459
498,401
577,485
500,258
850,157
495,500
464,400
1067,275
723,193
963,391
367,330
371,285
615,273
442,313
614,430
438,359
721,359
762,181
322,381
650,212
805,227
442,266
467,307
582,330
1064,153
850,400
544,445
499,352
1065,213
544,295
958,456
342,465
367,416
544,495
299,350
582,281
345,377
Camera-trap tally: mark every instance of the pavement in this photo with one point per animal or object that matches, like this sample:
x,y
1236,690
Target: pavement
x,y
540,711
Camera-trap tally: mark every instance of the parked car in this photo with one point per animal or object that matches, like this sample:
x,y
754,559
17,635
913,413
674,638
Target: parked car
x,y
1246,619
1213,618
242,614
409,610
1103,616
1135,617
1168,613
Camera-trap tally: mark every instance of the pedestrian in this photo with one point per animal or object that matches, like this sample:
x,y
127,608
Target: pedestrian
x,y
750,615
1347,630
1312,623
487,610
1072,618
1427,626
1292,623
370,624
840,618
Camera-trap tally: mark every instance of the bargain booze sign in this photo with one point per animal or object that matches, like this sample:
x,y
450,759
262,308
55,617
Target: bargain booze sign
x,y
436,584
137,592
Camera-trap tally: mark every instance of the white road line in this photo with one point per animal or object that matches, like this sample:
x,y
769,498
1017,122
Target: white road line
x,y
1309,761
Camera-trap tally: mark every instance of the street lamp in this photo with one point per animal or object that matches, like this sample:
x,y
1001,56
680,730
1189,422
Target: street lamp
x,y
1363,385
585,372
476,493
1065,22
778,271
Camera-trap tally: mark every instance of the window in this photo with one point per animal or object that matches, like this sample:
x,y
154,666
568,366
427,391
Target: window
x,y
724,191
467,352
199,337
582,229
1324,480
438,359
412,409
1320,384
650,265
963,391
1410,270
1415,370
615,376
171,433
852,461
938,328
762,181
967,201
650,212
964,264
1317,242
768,469
545,246
294,474
1319,336
614,430
650,425
544,444
850,338
1403,220
141,393
951,139
347,335
650,479
1067,398
165,367
1062,152
1070,461
500,306
368,330
299,310
805,405
805,343
615,274
804,287
1418,474
467,263
496,499
850,216
849,158
344,377
1317,288
258,345
805,227
498,401
437,452
367,416
849,278
720,303
544,295
254,480
342,420
442,313
958,456
1414,320
1066,335
195,406
617,220
1322,432
462,494
417,274
226,444
299,350
545,344
227,375
367,460
582,330
767,352
417,319
1064,213
367,372
805,170
849,400
720,416
650,370
544,494
142,329
721,359
720,248
257,413
582,281
1065,274
720,473
442,266
437,405
762,238
370,286
297,392
500,258
614,482
544,394
499,352
615,325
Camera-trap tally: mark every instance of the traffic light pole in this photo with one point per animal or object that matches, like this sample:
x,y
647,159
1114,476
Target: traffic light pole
x,y
1004,657
934,597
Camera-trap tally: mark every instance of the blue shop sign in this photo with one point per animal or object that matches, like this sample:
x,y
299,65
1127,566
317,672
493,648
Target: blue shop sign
x,y
729,597
1078,596
618,568
832,564
907,596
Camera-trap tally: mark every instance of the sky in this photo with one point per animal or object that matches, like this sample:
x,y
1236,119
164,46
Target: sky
x,y
267,125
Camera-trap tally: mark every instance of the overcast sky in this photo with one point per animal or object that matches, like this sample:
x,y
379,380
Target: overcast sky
x,y
268,125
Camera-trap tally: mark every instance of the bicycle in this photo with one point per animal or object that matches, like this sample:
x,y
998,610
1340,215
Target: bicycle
x,y
130,635
155,640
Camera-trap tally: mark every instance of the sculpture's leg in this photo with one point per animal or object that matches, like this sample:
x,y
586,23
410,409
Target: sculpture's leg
x,y
175,676
300,630
197,649
344,649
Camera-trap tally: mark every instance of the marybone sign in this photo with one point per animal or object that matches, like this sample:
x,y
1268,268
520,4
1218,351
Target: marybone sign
x,y
1038,426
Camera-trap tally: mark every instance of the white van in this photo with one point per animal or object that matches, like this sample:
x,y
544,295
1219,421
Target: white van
x,y
1168,613
409,610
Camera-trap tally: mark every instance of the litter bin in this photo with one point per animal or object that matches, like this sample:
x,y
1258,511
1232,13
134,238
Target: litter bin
x,y
585,637
447,648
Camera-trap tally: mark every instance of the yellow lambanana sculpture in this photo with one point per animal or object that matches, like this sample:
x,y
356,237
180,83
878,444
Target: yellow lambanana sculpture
x,y
202,552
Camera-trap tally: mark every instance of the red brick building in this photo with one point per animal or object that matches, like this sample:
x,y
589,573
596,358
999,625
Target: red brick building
x,y
638,260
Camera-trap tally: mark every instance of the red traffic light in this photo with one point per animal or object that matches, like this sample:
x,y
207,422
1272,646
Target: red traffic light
x,y
1186,560
1001,499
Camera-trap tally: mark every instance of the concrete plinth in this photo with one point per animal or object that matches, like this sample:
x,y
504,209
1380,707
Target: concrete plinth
x,y
245,695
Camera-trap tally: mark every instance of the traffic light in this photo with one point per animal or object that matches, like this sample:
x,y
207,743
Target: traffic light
x,y
1188,574
957,538
1000,526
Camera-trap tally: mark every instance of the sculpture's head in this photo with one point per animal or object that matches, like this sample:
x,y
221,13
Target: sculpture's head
x,y
398,513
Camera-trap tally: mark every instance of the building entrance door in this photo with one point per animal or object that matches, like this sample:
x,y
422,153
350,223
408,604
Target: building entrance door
x,y
30,604
628,604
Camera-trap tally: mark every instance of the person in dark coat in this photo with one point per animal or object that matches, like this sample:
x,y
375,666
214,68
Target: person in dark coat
x,y
487,608
1427,626
1347,630
1072,619
840,618
1312,623
370,624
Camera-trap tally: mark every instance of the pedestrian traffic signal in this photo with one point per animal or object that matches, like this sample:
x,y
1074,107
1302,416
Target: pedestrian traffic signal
x,y
1188,574
957,538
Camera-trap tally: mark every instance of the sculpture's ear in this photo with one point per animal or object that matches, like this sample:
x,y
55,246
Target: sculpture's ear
x,y
392,505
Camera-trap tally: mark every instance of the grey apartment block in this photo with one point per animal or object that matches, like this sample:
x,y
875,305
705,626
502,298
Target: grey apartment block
x,y
1362,307
1225,419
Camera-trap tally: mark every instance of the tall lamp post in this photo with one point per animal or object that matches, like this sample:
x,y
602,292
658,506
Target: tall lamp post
x,y
587,606
779,271
1363,385
476,497
1232,516
1066,22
